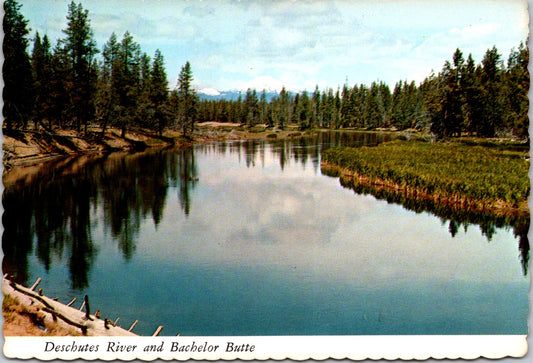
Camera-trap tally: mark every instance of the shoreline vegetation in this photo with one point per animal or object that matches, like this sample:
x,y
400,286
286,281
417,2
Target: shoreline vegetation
x,y
478,176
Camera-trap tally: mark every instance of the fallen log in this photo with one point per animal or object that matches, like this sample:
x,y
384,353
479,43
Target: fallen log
x,y
66,320
33,295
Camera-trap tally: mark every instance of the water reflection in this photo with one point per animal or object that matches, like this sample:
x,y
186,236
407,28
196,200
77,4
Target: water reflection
x,y
55,208
52,211
454,217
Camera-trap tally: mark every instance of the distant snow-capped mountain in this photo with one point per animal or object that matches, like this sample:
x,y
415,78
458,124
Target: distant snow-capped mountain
x,y
211,94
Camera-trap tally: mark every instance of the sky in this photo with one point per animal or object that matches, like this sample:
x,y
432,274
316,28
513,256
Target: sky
x,y
236,45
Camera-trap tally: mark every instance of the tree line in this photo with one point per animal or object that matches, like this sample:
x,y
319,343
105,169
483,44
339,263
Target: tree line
x,y
487,99
70,86
75,84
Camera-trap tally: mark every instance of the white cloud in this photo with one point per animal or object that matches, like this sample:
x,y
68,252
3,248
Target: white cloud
x,y
300,43
268,83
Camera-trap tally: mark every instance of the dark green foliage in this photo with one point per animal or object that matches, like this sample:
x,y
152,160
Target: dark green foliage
x,y
491,91
184,101
158,92
305,112
79,50
251,108
16,71
517,87
43,78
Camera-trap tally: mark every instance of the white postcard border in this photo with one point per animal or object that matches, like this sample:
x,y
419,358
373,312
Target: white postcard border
x,y
405,347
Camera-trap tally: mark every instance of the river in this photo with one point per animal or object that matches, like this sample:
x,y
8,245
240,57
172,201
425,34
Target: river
x,y
251,238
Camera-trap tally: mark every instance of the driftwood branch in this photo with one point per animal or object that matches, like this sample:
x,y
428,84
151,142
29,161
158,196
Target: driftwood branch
x,y
71,301
35,284
133,325
158,330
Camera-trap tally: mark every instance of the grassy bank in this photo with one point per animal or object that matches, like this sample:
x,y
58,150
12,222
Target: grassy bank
x,y
477,176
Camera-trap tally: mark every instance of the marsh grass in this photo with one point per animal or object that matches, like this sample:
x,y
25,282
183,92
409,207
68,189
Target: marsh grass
x,y
493,174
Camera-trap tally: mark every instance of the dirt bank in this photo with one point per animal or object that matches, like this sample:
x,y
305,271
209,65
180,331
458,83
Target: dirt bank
x,y
28,148
23,148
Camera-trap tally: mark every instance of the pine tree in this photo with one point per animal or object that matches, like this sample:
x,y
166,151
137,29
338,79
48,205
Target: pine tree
x,y
80,50
250,107
426,95
106,102
126,82
347,107
337,110
263,107
517,87
16,71
396,116
42,76
453,99
492,97
187,101
372,114
473,108
284,105
385,103
145,115
317,119
362,101
356,107
159,91
59,85
306,111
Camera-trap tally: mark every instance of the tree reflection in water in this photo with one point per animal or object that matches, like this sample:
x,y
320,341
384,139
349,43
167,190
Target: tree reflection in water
x,y
51,212
455,217
54,209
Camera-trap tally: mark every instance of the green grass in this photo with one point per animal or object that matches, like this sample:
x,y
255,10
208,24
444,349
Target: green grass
x,y
483,173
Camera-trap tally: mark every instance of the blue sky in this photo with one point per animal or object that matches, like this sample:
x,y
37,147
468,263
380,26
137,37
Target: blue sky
x,y
298,44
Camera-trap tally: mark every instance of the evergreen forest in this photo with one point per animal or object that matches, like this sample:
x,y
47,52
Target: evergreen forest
x,y
76,84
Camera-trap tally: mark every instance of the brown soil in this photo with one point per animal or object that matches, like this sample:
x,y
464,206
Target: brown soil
x,y
29,320
24,148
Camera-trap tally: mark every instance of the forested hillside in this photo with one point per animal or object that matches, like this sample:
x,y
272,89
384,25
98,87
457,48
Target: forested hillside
x,y
75,84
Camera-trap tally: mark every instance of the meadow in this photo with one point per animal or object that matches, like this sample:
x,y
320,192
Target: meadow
x,y
489,175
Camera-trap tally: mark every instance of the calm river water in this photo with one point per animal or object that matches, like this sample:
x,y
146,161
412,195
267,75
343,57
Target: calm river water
x,y
250,238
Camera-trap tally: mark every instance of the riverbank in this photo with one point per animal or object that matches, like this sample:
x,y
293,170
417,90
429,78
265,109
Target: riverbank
x,y
30,313
28,148
473,175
